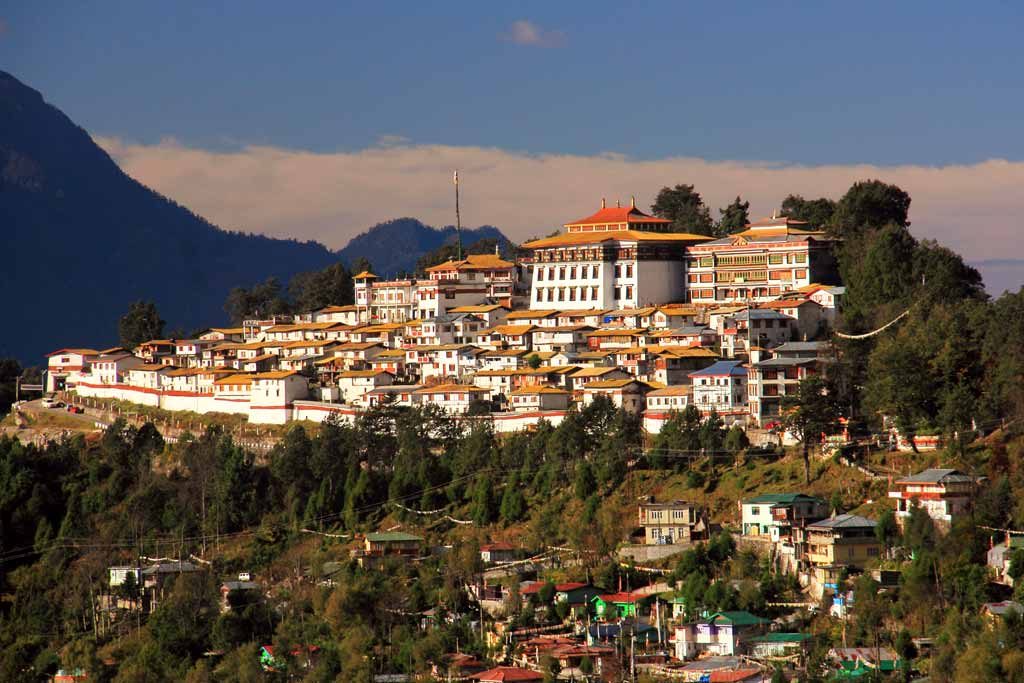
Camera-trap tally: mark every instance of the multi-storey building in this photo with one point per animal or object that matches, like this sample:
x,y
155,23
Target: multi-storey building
x,y
945,494
769,258
616,258
844,540
770,380
671,522
721,387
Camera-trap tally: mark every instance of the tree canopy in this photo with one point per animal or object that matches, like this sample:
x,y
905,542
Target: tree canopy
x,y
684,207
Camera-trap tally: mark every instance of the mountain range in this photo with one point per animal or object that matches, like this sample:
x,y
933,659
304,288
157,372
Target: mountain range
x,y
81,240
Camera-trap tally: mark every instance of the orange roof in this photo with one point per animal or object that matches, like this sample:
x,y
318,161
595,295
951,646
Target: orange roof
x,y
472,262
619,215
364,275
577,238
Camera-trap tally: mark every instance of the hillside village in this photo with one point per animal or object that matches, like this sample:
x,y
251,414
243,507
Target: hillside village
x,y
615,306
570,466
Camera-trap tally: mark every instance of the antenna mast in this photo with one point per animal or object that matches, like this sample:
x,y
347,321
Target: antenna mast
x,y
458,220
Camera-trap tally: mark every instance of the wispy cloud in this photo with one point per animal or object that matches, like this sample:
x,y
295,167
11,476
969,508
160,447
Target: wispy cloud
x,y
974,209
523,32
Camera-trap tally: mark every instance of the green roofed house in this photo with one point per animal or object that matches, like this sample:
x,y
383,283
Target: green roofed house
x,y
380,545
722,633
779,644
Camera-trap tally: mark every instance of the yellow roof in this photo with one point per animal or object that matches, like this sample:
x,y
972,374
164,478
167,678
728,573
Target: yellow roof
x,y
479,308
674,390
530,315
364,275
472,262
570,239
594,372
363,373
277,374
448,388
510,330
392,353
381,327
228,330
619,332
610,384
238,379
527,391
339,309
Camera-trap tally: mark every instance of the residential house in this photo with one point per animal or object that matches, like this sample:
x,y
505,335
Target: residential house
x,y
671,522
387,544
627,394
454,398
352,384
65,367
721,387
774,515
843,540
491,553
584,376
945,494
778,644
620,605
540,397
722,633
400,394
507,674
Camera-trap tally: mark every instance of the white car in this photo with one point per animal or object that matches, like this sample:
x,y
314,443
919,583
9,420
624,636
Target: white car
x,y
51,402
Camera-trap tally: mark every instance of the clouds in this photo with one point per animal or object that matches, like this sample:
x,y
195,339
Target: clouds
x,y
523,32
974,209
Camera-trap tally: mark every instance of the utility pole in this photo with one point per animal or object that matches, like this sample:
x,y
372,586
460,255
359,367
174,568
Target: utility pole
x,y
458,220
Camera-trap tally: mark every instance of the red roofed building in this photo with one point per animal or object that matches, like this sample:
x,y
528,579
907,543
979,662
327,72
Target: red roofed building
x,y
499,552
501,674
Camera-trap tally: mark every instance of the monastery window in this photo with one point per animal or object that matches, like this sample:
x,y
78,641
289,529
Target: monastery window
x,y
593,291
629,292
801,258
801,274
629,270
561,273
775,259
692,278
707,261
572,273
540,274
572,294
618,271
539,293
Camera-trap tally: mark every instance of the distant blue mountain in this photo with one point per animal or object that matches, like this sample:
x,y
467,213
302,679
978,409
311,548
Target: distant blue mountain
x,y
80,240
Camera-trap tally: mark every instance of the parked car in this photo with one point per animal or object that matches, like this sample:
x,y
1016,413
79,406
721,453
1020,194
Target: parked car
x,y
51,402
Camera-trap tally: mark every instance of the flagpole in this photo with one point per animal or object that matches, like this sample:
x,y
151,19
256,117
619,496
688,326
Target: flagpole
x,y
458,220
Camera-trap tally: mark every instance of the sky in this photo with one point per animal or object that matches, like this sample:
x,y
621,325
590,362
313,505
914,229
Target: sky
x,y
317,120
